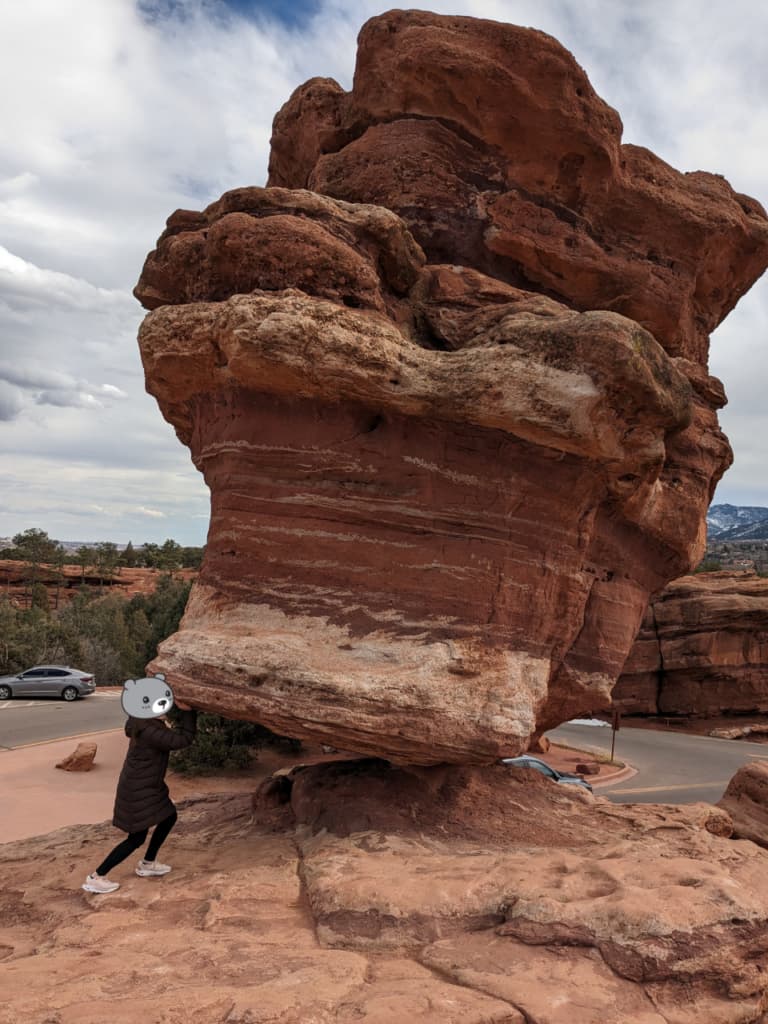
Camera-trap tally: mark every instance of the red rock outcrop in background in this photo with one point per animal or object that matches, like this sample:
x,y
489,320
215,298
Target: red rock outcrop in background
x,y
451,448
66,582
702,649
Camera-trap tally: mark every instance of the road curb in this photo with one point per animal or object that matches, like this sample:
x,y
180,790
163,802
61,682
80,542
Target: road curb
x,y
597,781
627,772
61,739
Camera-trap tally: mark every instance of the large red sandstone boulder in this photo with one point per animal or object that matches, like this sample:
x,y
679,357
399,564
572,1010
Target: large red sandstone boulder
x,y
702,649
451,452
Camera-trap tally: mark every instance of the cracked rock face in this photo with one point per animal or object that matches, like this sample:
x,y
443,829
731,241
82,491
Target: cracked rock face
x,y
454,411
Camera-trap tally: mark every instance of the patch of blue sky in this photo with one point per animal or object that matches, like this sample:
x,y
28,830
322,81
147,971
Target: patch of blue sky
x,y
290,13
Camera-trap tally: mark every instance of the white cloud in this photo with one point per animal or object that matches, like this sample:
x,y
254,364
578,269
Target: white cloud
x,y
24,285
112,120
11,401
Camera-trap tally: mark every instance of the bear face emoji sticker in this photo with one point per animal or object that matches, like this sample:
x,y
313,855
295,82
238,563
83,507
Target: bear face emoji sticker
x,y
147,698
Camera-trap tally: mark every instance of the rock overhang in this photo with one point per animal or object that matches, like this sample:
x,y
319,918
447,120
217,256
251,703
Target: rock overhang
x,y
442,490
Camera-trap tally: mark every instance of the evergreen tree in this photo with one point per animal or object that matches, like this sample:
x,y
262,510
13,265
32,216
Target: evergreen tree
x,y
84,557
169,556
34,547
191,558
106,561
128,556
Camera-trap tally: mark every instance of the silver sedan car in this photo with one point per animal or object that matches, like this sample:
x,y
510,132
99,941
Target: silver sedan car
x,y
526,761
47,681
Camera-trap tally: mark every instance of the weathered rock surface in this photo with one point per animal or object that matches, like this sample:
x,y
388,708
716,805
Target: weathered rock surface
x,y
502,157
746,802
81,759
483,896
702,649
448,458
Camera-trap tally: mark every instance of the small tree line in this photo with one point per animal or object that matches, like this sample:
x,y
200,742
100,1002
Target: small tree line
x,y
104,561
36,548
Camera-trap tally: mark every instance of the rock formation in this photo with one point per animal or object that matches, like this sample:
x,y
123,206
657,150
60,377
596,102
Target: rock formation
x,y
65,582
446,380
80,760
438,896
702,649
746,802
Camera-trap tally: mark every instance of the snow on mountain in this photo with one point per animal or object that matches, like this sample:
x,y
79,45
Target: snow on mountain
x,y
737,522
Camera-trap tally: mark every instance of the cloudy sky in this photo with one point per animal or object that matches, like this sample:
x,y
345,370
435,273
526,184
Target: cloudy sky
x,y
116,112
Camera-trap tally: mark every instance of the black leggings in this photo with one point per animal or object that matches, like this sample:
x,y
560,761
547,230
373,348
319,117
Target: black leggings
x,y
134,841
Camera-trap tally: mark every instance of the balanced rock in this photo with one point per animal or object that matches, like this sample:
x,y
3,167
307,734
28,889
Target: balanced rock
x,y
454,414
80,760
702,650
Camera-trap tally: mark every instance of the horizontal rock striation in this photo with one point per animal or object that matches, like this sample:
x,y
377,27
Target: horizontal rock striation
x,y
441,488
702,649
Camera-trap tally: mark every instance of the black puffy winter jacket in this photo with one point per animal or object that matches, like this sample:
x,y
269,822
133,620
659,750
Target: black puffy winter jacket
x,y
142,797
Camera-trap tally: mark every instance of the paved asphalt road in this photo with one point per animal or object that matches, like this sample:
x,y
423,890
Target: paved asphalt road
x,y
672,768
48,718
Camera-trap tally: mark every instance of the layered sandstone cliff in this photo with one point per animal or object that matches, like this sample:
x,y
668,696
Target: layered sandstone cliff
x,y
446,380
702,649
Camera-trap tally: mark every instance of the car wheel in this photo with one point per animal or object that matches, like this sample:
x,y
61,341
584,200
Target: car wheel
x,y
69,693
5,693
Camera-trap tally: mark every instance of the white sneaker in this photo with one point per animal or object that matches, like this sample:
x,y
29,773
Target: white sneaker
x,y
149,868
97,883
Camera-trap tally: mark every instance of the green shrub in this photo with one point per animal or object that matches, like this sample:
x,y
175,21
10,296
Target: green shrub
x,y
224,744
709,565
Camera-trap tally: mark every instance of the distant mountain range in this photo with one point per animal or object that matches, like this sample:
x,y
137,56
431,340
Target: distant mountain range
x,y
737,522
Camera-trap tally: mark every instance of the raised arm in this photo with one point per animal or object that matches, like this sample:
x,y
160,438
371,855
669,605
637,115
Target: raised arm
x,y
158,735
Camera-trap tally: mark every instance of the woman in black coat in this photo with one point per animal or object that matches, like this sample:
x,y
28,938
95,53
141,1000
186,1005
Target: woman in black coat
x,y
142,798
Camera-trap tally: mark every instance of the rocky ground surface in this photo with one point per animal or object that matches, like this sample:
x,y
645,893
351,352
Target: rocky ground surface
x,y
458,896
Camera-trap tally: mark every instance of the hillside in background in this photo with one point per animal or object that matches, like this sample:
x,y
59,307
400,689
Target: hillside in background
x,y
737,522
61,584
